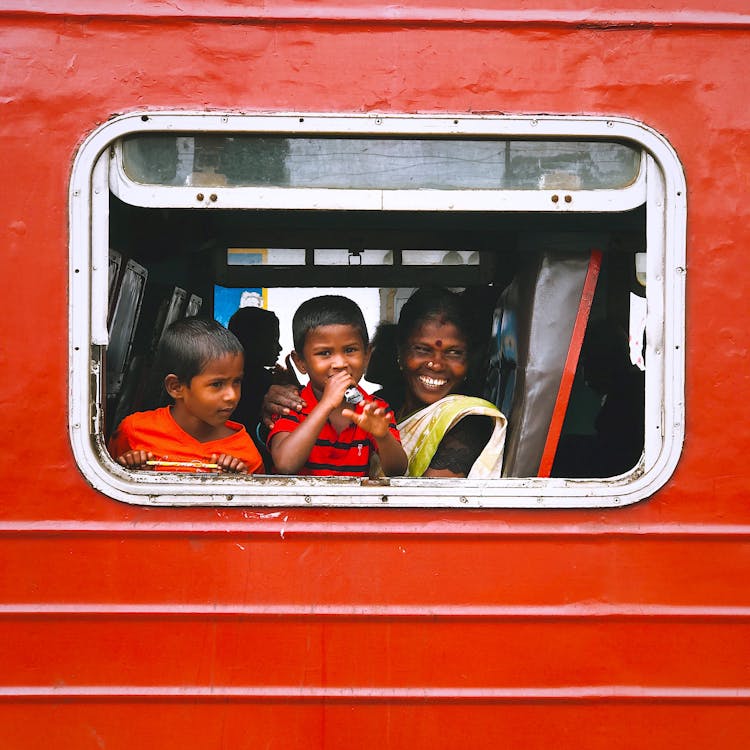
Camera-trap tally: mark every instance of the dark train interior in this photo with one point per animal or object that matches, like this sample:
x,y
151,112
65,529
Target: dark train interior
x,y
166,263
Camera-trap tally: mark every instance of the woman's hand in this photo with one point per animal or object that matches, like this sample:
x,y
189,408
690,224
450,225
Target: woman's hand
x,y
280,399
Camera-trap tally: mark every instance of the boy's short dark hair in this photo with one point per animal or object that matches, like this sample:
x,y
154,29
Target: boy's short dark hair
x,y
189,344
327,310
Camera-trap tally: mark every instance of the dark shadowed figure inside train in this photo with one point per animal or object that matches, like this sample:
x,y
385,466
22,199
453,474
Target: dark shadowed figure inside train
x,y
617,440
258,332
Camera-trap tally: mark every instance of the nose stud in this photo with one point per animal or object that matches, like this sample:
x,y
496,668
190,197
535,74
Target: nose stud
x,y
431,365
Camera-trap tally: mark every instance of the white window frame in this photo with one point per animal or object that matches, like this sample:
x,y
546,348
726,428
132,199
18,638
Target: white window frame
x,y
661,178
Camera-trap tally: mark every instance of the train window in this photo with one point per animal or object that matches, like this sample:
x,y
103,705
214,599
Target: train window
x,y
566,234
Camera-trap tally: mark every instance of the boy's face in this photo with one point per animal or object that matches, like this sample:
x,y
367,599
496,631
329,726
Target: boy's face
x,y
209,399
330,349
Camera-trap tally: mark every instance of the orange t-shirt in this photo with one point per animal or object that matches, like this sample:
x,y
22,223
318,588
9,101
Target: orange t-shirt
x,y
157,432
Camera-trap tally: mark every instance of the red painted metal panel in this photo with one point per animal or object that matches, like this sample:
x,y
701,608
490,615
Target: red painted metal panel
x,y
297,655
126,626
605,724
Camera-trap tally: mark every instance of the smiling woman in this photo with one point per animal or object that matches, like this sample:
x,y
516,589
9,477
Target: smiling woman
x,y
433,343
436,343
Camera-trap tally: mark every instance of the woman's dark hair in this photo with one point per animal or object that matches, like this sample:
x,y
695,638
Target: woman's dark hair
x,y
189,344
327,310
382,365
433,304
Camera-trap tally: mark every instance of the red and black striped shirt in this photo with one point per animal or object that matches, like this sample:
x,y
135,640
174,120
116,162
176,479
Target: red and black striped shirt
x,y
346,454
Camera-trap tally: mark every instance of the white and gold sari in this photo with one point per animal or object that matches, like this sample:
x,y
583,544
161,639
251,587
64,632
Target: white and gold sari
x,y
422,432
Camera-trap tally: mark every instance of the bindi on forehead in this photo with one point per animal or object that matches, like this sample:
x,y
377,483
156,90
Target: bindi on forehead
x,y
438,343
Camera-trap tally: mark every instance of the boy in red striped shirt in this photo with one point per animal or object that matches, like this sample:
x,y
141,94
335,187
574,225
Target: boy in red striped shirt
x,y
329,437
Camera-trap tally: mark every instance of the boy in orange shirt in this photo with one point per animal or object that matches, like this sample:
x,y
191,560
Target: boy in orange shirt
x,y
203,366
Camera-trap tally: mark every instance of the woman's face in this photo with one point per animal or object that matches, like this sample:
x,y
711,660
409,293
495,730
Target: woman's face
x,y
434,363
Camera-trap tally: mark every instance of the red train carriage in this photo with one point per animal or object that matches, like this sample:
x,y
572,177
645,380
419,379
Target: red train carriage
x,y
159,160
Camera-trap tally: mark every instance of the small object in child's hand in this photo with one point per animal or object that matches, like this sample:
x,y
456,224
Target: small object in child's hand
x,y
352,395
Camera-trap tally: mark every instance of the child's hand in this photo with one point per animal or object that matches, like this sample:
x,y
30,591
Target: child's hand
x,y
372,419
336,385
134,459
229,463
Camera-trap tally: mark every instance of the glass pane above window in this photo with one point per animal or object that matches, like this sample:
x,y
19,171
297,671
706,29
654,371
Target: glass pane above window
x,y
243,160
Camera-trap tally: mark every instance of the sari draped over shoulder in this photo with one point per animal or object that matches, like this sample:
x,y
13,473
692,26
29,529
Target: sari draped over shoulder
x,y
422,432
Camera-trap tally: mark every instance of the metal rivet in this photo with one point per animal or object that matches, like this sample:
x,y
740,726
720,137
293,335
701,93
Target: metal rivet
x,y
213,198
199,197
568,198
555,198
